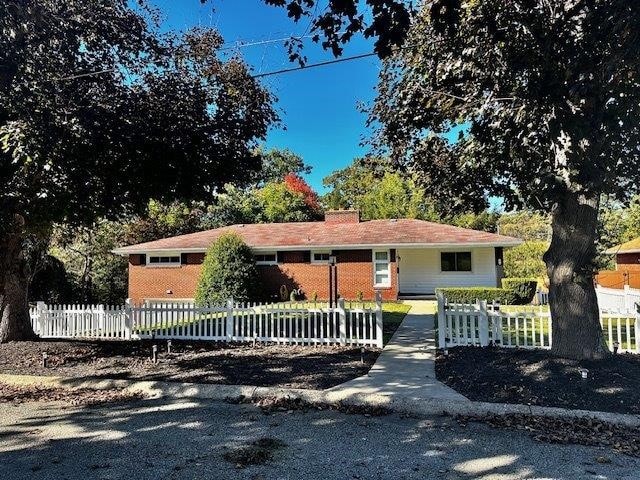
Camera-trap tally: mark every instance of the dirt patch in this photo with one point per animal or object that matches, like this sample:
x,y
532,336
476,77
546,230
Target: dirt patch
x,y
535,377
579,431
258,452
202,362
80,396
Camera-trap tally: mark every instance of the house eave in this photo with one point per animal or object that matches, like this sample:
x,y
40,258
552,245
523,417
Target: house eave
x,y
457,245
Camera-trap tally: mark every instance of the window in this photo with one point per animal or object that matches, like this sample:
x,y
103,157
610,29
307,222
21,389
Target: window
x,y
320,257
265,258
455,261
169,260
381,271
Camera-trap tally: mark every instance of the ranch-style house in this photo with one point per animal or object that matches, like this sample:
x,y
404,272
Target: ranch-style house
x,y
400,257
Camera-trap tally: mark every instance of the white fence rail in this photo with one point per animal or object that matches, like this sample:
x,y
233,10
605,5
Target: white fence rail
x,y
525,327
232,322
626,299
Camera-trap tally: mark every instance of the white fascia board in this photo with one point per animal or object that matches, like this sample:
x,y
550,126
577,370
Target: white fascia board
x,y
125,251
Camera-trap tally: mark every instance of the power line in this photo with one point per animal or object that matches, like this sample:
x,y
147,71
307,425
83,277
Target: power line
x,y
313,65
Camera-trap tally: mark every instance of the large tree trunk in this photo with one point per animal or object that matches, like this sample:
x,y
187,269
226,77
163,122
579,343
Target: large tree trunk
x,y
14,282
570,259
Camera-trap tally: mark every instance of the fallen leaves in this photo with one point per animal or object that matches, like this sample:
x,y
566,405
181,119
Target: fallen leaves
x,y
288,404
75,396
580,431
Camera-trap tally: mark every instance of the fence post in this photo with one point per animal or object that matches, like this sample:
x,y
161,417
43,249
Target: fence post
x,y
637,337
483,324
379,321
342,320
442,321
230,320
41,310
128,320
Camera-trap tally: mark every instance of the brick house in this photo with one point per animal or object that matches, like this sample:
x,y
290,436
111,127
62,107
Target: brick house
x,y
627,270
396,257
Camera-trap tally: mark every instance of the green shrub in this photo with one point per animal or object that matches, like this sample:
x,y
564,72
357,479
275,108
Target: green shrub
x,y
523,289
228,271
471,294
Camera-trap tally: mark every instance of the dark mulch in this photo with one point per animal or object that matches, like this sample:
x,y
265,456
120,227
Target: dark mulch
x,y
537,378
79,396
201,362
257,452
270,405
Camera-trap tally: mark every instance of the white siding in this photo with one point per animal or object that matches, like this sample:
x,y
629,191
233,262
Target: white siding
x,y
420,270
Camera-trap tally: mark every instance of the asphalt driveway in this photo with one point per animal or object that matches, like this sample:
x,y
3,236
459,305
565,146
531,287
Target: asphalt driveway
x,y
155,439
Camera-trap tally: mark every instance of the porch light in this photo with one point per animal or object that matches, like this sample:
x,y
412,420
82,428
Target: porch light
x,y
332,260
584,373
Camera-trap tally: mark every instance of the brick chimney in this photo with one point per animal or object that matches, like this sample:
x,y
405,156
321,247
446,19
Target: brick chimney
x,y
342,216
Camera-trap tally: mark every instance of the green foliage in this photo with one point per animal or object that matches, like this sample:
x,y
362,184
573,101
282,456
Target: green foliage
x,y
524,289
278,203
525,260
228,271
526,225
485,221
472,294
276,164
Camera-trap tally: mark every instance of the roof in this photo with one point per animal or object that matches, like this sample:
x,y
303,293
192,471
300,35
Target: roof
x,y
632,246
306,235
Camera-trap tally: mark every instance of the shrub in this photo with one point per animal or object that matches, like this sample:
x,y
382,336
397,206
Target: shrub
x,y
228,271
523,289
471,294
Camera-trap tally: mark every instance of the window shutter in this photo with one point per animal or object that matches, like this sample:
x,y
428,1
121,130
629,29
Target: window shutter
x,y
279,258
183,259
143,259
306,256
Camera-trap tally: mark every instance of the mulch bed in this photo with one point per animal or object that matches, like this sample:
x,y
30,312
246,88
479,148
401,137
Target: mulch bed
x,y
535,377
79,396
202,362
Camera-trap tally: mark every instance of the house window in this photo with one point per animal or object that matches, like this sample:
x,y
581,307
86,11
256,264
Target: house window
x,y
381,270
455,261
320,257
172,260
266,258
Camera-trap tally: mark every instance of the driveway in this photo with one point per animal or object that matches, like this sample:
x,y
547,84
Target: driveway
x,y
157,439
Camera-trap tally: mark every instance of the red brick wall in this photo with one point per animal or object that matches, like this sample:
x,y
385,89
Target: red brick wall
x,y
628,261
355,274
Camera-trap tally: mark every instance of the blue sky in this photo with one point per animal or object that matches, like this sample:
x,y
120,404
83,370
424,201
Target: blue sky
x,y
318,106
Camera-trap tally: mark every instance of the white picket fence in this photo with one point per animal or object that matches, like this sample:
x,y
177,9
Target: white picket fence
x,y
301,324
524,327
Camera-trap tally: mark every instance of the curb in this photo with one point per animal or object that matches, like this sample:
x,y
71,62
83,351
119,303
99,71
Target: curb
x,y
420,407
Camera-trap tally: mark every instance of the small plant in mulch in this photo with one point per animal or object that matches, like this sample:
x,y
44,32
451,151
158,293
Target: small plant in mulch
x,y
257,452
580,431
288,404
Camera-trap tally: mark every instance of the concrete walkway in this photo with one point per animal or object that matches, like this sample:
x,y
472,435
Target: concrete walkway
x,y
406,366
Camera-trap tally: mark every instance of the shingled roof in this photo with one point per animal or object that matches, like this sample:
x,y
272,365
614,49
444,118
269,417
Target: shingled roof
x,y
632,246
331,234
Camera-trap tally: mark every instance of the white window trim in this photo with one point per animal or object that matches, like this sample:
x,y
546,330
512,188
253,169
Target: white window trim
x,y
386,284
165,264
321,262
457,272
267,262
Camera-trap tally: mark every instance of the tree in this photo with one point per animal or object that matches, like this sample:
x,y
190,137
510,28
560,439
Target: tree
x,y
229,271
277,164
551,97
99,112
279,203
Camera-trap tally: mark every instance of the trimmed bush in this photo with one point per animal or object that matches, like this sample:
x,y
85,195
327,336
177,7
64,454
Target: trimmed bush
x,y
523,289
229,271
471,294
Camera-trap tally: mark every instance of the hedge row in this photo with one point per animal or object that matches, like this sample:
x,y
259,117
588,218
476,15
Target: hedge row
x,y
514,291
